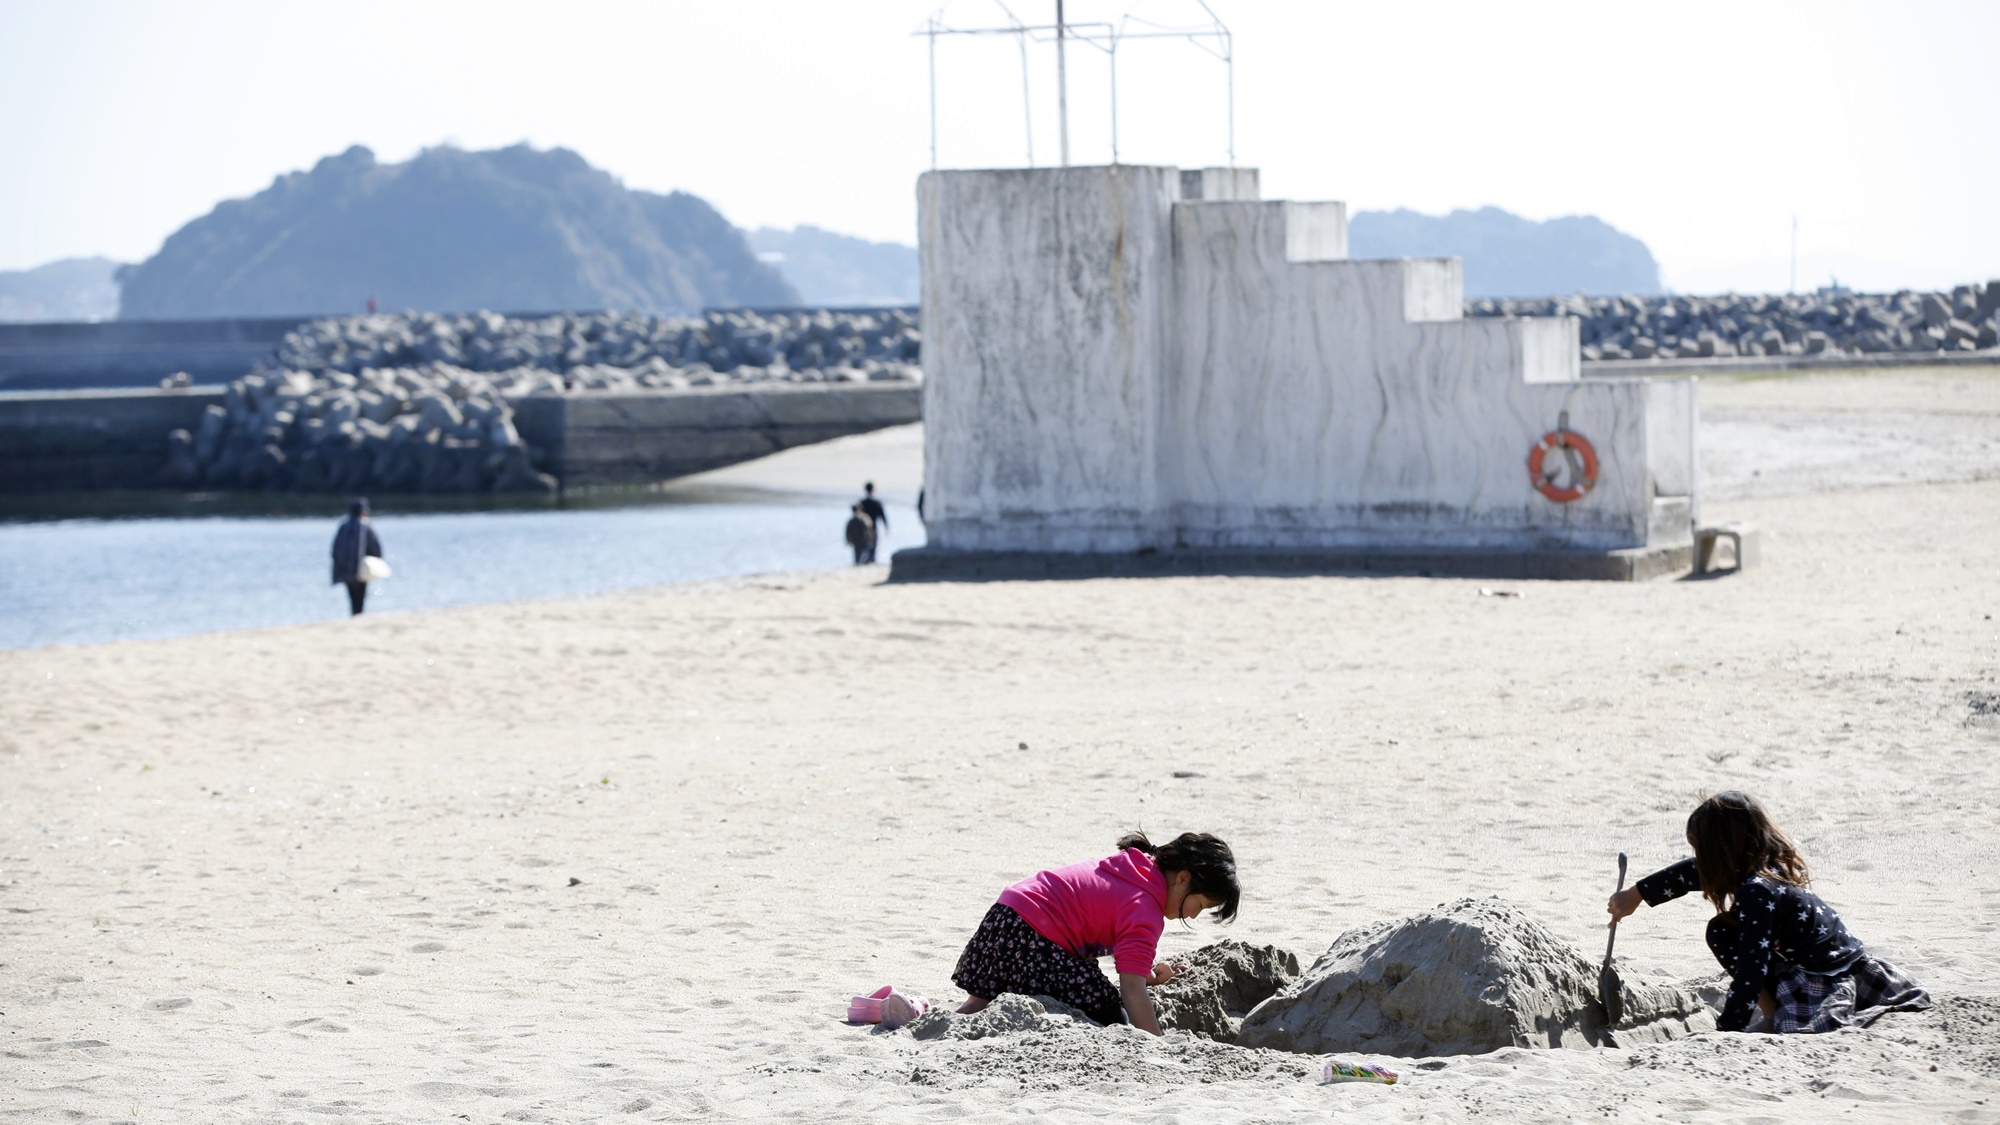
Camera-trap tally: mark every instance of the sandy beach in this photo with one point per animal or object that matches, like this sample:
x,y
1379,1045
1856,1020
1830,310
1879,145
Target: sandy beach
x,y
626,857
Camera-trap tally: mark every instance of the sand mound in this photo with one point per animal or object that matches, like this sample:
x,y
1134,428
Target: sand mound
x,y
1222,983
1043,1044
1007,1015
1471,976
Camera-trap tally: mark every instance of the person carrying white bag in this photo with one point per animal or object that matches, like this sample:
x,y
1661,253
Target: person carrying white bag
x,y
357,556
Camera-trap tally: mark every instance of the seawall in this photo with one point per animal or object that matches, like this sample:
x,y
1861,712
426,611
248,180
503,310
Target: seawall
x,y
134,353
612,438
60,441
89,440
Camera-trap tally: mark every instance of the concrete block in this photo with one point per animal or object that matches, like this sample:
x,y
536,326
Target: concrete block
x,y
1638,564
88,440
1744,541
1221,184
1111,368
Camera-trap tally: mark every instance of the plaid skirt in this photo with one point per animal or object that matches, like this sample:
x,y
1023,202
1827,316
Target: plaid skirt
x,y
1006,954
1854,997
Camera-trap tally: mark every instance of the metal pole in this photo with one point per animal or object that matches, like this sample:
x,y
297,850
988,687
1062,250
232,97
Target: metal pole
x,y
933,39
1027,106
1062,84
1229,64
1114,98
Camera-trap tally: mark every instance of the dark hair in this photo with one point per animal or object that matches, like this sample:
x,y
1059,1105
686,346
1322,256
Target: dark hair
x,y
358,508
1735,839
1209,862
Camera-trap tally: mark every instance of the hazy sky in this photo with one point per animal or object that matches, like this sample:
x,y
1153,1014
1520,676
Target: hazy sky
x,y
1700,127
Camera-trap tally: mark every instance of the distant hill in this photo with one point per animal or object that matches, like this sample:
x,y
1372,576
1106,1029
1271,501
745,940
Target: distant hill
x,y
514,229
839,269
1505,256
71,289
1509,256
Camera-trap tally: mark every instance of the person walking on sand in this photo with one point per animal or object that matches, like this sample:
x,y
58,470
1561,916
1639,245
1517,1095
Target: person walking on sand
x,y
861,535
354,542
1792,965
877,515
1044,936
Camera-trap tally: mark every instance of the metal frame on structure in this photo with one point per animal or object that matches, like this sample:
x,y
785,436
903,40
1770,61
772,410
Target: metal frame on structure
x,y
1214,38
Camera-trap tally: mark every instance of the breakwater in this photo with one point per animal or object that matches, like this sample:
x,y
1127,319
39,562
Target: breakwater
x,y
79,441
428,403
1828,324
134,353
91,440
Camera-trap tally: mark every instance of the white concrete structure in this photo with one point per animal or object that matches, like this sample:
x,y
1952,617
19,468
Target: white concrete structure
x,y
1121,358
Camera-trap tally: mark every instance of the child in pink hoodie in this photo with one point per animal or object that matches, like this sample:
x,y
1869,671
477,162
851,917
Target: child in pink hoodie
x,y
1045,934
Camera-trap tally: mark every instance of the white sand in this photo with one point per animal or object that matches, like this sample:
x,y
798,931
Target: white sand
x,y
324,871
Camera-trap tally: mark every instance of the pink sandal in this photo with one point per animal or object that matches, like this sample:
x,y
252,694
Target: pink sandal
x,y
868,1009
886,1006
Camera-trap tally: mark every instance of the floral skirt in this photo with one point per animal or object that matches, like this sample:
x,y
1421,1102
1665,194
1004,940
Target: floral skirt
x,y
1006,954
1856,996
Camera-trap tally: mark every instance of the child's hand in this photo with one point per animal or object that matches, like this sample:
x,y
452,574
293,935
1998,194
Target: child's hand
x,y
1163,972
1623,903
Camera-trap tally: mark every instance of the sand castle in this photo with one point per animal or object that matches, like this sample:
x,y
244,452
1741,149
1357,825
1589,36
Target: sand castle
x,y
1139,367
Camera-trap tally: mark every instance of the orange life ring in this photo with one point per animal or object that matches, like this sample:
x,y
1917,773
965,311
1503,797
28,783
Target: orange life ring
x,y
1583,465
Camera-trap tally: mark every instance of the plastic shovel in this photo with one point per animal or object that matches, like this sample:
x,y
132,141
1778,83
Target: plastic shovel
x,y
1609,991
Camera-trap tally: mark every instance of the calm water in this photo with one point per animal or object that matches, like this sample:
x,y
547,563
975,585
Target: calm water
x,y
84,581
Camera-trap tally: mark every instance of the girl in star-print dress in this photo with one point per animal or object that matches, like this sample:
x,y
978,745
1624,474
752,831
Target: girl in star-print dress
x,y
1792,965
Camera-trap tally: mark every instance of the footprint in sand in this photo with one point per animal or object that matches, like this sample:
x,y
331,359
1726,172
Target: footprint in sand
x,y
317,1023
169,1003
443,1091
369,970
428,947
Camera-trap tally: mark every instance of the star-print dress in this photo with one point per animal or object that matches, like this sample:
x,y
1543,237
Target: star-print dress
x,y
1784,938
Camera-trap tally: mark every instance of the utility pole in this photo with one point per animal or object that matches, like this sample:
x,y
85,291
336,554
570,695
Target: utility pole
x,y
1062,83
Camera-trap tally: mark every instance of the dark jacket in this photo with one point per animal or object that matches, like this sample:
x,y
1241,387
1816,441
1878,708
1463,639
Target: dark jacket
x,y
1776,924
346,556
872,508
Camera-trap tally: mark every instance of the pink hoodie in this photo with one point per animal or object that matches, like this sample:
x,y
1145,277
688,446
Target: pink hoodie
x,y
1116,905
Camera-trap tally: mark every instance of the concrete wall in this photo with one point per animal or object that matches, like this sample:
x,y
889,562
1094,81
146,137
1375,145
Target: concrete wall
x,y
1046,296
83,440
1110,367
129,353
600,439
117,439
1330,403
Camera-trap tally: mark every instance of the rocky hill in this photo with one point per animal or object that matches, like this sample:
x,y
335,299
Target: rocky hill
x,y
71,289
451,231
1509,256
835,270
1505,256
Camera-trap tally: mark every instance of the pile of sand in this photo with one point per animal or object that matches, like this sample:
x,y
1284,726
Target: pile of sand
x,y
1220,984
1009,1014
1471,976
1043,1044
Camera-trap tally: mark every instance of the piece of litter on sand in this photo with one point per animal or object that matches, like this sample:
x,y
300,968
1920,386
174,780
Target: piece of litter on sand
x,y
1338,1071
1490,592
575,882
1186,773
